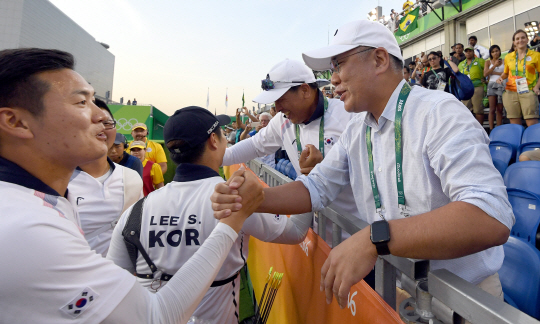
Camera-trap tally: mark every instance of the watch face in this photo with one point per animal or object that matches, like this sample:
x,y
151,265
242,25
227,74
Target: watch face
x,y
380,232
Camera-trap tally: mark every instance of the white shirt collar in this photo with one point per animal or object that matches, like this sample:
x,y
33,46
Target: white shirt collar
x,y
389,111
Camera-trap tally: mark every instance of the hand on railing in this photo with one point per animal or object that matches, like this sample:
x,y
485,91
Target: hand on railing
x,y
309,158
347,264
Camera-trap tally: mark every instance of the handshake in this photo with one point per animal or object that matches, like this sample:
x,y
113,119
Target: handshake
x,y
235,200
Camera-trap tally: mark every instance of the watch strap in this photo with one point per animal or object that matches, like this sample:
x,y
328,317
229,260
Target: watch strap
x,y
382,248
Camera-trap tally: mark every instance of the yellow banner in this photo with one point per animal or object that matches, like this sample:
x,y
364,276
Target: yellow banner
x,y
299,299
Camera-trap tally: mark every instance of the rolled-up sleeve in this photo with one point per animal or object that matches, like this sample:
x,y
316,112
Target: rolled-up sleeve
x,y
459,155
329,177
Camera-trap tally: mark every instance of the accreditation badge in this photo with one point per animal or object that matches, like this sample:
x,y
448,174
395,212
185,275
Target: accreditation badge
x,y
441,85
522,85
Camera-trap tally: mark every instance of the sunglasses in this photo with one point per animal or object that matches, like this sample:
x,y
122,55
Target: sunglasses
x,y
268,84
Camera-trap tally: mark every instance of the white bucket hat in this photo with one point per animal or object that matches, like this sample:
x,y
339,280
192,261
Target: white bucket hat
x,y
349,36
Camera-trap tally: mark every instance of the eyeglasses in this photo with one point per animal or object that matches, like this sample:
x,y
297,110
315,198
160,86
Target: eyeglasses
x,y
109,124
433,58
334,64
268,84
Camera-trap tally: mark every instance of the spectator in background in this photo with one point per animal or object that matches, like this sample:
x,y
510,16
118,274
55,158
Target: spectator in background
x,y
479,50
535,41
152,175
458,56
154,151
264,119
231,138
128,102
412,66
421,68
118,154
407,75
493,70
239,126
134,102
102,190
522,89
530,156
407,7
437,78
473,67
273,110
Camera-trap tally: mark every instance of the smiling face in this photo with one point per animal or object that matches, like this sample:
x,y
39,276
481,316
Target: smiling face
x,y
139,134
294,104
138,153
520,40
70,130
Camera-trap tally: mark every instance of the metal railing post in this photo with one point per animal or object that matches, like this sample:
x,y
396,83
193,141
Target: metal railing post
x,y
385,281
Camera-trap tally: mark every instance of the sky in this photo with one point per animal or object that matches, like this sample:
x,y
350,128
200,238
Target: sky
x,y
172,53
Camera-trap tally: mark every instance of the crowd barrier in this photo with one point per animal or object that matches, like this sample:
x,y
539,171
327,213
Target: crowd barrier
x,y
437,296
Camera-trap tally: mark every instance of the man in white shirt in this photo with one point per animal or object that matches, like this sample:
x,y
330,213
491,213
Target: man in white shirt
x,y
452,205
306,126
479,50
49,125
102,190
178,218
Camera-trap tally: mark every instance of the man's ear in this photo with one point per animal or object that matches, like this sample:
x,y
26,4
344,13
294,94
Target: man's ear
x,y
15,122
306,91
213,141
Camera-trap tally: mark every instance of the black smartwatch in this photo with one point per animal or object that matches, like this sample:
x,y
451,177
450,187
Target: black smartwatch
x,y
380,236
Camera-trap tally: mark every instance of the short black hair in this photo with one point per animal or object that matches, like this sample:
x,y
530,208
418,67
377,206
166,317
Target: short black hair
x,y
407,68
397,63
101,104
19,86
473,37
459,44
434,53
190,156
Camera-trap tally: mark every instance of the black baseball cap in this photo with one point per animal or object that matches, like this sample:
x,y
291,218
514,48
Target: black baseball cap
x,y
193,125
120,139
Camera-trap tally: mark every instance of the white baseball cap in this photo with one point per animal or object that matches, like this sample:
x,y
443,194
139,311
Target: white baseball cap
x,y
349,36
284,75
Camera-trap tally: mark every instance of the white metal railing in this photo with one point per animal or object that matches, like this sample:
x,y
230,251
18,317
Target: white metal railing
x,y
438,296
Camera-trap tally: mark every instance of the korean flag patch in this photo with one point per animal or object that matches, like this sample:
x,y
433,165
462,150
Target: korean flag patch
x,y
328,141
80,303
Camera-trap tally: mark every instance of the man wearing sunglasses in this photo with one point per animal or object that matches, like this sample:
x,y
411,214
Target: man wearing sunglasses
x,y
306,126
418,163
102,190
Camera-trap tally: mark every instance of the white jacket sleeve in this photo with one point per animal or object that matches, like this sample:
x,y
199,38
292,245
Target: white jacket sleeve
x,y
176,302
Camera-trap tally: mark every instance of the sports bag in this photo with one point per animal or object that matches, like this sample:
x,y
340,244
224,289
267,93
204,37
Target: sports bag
x,y
460,85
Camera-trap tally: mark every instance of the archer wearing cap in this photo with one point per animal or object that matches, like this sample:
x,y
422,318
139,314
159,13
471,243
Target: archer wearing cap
x,y
154,151
307,124
197,144
419,167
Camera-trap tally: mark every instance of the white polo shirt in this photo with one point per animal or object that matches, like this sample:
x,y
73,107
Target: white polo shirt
x,y
281,132
100,204
176,220
48,273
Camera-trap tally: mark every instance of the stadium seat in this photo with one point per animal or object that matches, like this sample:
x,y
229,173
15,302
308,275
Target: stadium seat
x,y
292,174
278,165
287,169
526,207
500,166
523,175
530,139
520,275
502,154
508,133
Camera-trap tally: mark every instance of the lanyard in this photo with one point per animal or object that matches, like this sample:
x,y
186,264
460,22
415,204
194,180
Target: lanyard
x,y
403,95
321,132
469,66
438,78
524,62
